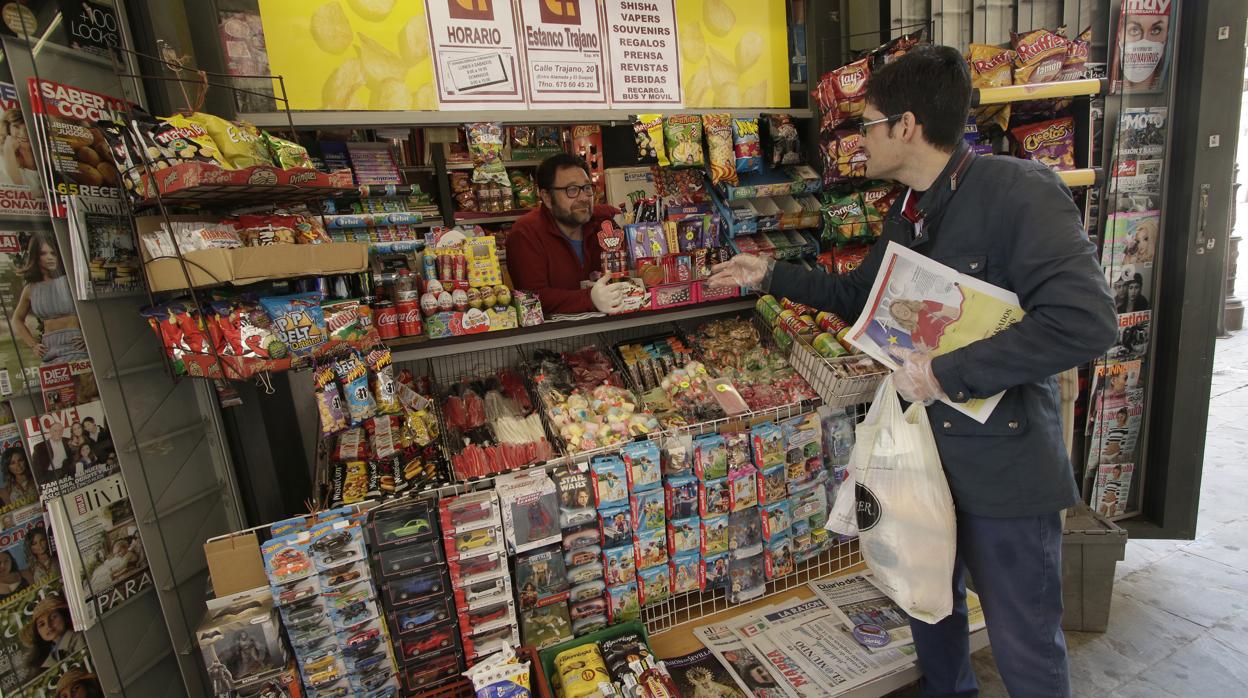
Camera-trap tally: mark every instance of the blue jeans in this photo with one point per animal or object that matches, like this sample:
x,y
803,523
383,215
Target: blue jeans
x,y
1017,569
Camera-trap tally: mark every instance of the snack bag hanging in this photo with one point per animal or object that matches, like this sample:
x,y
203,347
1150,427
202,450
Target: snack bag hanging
x,y
648,132
682,135
991,66
1039,55
746,145
723,164
901,507
239,143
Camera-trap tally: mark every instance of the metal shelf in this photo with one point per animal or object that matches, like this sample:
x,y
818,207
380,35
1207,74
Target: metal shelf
x,y
1044,90
427,349
507,163
374,119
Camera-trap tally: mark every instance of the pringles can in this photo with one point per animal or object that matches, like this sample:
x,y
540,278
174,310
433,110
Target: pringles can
x,y
827,346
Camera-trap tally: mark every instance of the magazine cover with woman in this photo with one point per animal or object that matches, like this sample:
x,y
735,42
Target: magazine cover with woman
x,y
40,652
920,305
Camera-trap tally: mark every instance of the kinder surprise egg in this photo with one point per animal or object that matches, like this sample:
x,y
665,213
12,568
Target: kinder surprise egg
x,y
460,299
429,303
474,298
435,287
445,302
502,295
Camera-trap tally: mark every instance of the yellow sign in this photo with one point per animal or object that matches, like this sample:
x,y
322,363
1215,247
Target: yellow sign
x,y
734,53
351,54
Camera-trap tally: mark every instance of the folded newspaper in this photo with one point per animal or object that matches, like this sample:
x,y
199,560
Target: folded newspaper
x,y
920,305
808,647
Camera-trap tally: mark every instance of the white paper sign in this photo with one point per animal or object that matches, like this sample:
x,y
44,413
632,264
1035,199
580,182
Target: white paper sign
x,y
644,56
476,60
563,53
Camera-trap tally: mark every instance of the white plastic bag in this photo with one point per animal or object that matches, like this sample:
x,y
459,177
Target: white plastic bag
x,y
904,516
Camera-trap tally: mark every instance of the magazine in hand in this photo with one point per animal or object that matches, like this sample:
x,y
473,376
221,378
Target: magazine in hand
x,y
69,448
920,305
106,564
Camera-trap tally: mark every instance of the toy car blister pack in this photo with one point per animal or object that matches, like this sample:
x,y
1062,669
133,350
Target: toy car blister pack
x,y
415,618
576,496
393,525
396,562
482,593
416,588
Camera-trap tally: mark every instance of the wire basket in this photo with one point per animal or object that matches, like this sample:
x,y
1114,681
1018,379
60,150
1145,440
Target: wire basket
x,y
840,382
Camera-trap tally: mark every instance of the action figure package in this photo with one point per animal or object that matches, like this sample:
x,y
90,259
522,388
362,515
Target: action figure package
x,y
745,533
623,602
776,519
654,585
710,456
610,478
246,638
713,571
748,577
713,497
650,548
647,511
737,444
619,564
576,496
617,529
541,577
681,496
773,485
677,454
643,461
683,535
714,536
684,572
742,489
546,626
778,556
768,444
837,429
530,509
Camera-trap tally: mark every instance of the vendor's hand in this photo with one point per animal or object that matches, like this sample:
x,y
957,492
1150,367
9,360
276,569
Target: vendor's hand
x,y
915,381
607,297
742,270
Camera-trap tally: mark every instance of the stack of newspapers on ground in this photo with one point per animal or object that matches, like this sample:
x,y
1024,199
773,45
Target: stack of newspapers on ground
x,y
848,635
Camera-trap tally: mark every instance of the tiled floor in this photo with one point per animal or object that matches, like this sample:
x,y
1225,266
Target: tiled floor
x,y
1178,624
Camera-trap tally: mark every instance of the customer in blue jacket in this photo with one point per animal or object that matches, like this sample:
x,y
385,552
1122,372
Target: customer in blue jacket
x,y
1013,224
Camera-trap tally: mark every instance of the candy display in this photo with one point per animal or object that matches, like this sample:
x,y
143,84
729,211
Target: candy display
x,y
586,402
731,348
493,425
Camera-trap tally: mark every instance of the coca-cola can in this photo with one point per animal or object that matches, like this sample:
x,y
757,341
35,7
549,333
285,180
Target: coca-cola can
x,y
386,318
409,318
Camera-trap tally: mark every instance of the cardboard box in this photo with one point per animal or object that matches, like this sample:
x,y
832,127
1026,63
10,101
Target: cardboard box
x,y
235,564
623,181
246,265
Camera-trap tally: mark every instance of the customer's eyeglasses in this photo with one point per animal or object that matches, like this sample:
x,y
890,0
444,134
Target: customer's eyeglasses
x,y
574,191
862,127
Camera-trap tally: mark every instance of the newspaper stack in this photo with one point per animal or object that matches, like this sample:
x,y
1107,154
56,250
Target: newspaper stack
x,y
847,636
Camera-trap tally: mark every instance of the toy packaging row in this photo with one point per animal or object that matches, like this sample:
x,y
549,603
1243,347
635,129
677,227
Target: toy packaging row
x,y
240,638
409,562
622,665
476,551
321,582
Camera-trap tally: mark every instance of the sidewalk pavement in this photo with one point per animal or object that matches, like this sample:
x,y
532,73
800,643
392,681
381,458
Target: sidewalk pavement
x,y
1178,623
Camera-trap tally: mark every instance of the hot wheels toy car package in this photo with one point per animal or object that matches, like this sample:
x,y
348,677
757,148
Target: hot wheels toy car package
x,y
287,558
576,495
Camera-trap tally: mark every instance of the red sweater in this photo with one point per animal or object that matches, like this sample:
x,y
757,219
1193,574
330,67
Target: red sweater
x,y
540,259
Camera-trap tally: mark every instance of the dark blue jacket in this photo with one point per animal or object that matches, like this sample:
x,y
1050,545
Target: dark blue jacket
x,y
1013,224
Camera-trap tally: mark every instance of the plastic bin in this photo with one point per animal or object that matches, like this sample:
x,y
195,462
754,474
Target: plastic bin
x,y
1091,547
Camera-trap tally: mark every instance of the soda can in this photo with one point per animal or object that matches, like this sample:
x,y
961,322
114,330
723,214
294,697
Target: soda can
x,y
827,346
409,318
386,318
830,322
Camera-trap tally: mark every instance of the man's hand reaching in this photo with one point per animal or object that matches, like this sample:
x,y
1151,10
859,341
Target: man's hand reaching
x,y
744,270
607,297
915,382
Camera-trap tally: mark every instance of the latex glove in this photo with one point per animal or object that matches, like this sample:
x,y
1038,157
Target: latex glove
x,y
742,270
915,381
606,296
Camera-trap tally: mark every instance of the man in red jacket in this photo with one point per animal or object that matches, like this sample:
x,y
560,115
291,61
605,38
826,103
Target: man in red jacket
x,y
554,247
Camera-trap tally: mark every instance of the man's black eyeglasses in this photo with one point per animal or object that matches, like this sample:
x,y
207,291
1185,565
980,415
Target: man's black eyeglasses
x,y
574,191
862,127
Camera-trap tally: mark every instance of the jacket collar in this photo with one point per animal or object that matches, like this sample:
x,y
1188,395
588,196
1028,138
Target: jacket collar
x,y
930,207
